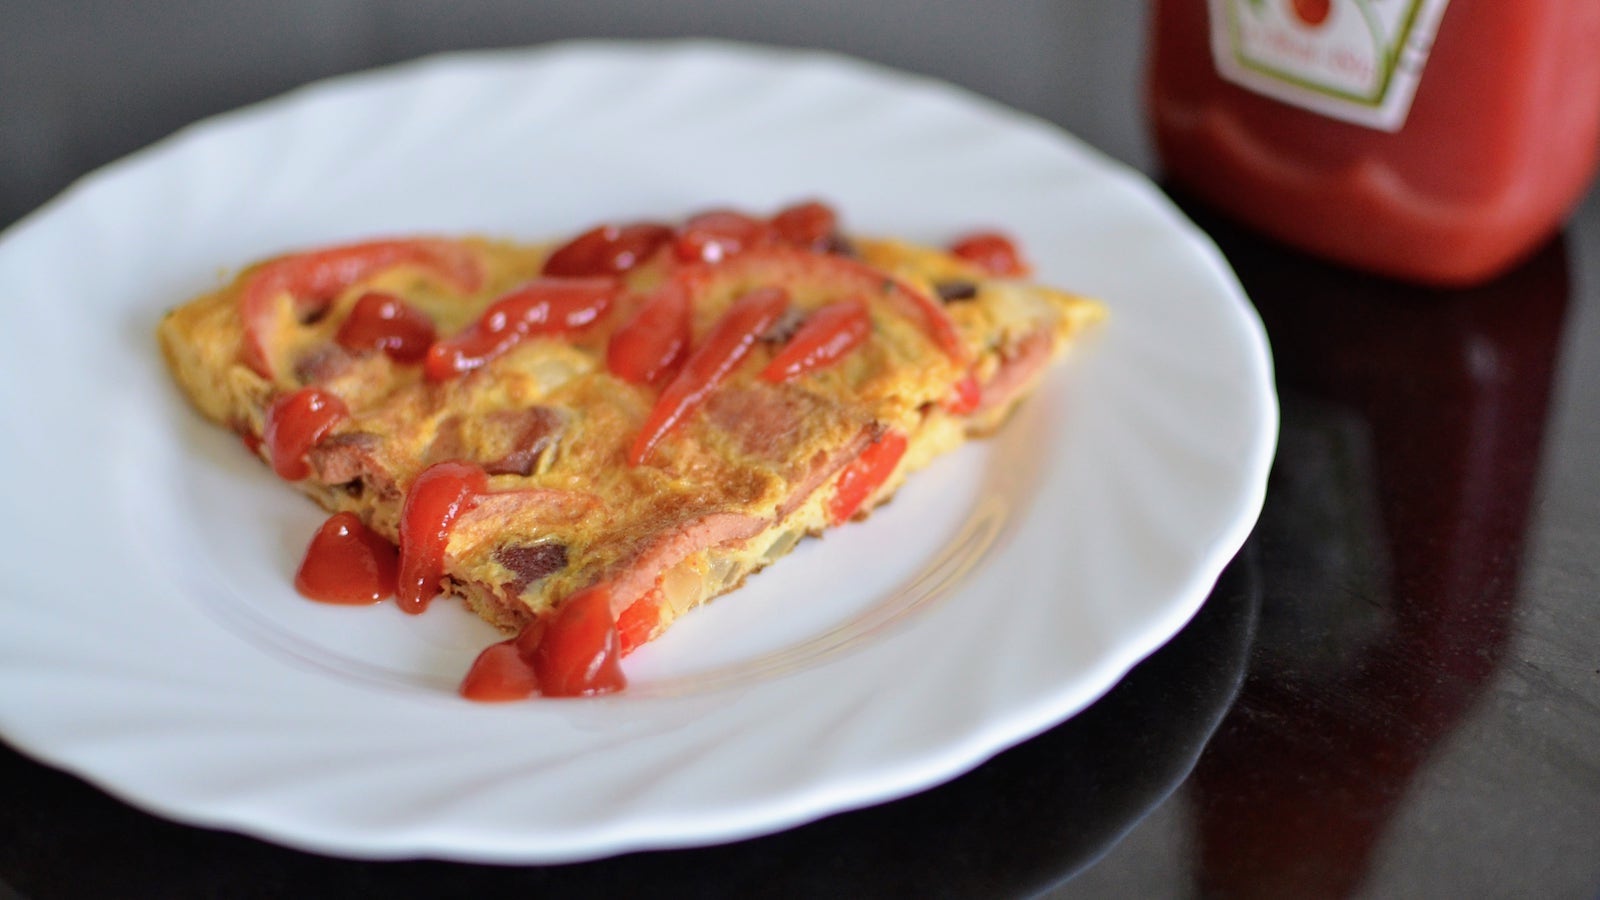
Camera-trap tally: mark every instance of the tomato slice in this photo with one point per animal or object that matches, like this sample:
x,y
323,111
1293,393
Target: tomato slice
x,y
436,499
825,337
579,652
542,306
607,250
347,563
718,235
295,423
837,275
728,342
313,279
810,226
865,475
385,322
992,252
645,350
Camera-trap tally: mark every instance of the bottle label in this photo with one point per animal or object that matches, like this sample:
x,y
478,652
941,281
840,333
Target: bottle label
x,y
1354,60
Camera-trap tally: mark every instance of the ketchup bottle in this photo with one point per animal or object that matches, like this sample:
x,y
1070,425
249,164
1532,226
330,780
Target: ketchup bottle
x,y
1438,141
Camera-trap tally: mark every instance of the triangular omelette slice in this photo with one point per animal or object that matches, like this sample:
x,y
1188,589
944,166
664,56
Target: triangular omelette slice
x,y
632,421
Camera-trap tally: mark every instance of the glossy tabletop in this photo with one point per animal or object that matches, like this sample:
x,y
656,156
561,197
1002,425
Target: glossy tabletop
x,y
1393,691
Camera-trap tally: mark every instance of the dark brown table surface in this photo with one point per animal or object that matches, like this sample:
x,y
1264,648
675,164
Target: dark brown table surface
x,y
1393,691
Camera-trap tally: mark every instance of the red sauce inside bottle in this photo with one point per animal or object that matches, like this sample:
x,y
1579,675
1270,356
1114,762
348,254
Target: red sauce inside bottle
x,y
347,563
1499,142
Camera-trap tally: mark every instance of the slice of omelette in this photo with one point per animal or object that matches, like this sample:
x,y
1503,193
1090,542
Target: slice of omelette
x,y
640,417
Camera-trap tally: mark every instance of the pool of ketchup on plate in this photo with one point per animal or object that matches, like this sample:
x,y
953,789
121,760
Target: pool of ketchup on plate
x,y
348,563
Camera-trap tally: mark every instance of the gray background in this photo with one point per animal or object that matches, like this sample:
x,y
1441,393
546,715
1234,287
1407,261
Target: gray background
x,y
82,83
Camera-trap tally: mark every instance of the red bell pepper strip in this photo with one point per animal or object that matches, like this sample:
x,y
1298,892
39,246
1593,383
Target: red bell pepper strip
x,y
637,624
728,342
313,279
965,397
822,340
865,475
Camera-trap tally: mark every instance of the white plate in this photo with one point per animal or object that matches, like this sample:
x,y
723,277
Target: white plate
x,y
150,639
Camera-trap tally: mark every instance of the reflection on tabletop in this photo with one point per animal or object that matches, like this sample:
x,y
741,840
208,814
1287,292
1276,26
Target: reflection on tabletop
x,y
1390,547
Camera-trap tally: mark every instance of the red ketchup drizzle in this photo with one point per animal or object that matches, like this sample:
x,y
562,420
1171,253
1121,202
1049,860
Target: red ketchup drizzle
x,y
823,340
580,652
718,234
576,654
295,423
992,252
385,322
500,673
607,250
807,225
648,348
347,563
728,342
544,306
433,504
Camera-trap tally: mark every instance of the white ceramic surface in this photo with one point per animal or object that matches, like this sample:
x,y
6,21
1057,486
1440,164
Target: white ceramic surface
x,y
150,639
